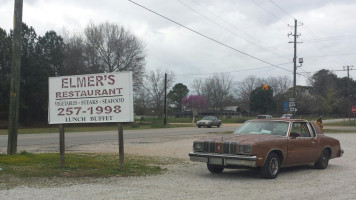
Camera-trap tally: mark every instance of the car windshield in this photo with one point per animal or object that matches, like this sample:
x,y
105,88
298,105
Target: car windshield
x,y
208,118
264,127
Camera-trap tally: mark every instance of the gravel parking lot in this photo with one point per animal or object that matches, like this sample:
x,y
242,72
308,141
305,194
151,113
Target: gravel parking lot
x,y
190,180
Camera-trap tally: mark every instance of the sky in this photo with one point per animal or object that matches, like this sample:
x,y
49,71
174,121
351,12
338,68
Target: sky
x,y
238,37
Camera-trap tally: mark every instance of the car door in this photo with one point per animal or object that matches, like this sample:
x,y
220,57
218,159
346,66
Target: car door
x,y
301,144
215,121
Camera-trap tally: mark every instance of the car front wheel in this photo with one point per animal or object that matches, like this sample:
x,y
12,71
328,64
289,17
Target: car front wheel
x,y
218,125
215,168
323,160
271,167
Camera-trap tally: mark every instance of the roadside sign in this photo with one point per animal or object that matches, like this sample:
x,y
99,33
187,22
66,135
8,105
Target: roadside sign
x,y
285,106
292,104
91,98
353,109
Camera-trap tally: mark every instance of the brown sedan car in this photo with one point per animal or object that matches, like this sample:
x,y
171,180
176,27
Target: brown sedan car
x,y
268,145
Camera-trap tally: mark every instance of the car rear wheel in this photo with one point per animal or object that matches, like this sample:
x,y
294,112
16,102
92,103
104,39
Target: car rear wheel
x,y
271,167
215,168
218,125
199,126
323,160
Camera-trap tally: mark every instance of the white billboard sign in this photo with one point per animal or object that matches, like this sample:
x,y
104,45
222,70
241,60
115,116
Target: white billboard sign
x,y
91,98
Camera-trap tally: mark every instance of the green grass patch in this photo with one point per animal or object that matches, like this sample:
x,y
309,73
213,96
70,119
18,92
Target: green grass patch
x,y
25,165
338,131
342,123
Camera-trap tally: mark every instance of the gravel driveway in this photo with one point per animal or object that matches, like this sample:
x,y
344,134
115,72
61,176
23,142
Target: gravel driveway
x,y
190,180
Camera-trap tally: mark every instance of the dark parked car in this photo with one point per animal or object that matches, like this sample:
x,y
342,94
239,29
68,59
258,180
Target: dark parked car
x,y
209,121
268,145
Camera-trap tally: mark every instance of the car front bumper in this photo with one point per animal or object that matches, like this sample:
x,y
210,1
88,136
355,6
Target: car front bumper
x,y
224,159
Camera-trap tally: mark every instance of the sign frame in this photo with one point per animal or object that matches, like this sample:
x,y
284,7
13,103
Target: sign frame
x,y
91,98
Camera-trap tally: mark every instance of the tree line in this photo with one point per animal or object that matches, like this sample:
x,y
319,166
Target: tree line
x,y
109,47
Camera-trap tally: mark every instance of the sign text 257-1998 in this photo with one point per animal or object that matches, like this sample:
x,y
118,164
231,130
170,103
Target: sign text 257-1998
x,y
91,110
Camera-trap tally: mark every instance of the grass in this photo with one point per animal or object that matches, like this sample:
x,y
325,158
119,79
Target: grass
x,y
342,123
338,131
47,165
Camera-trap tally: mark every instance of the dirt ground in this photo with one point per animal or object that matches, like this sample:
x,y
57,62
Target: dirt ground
x,y
190,180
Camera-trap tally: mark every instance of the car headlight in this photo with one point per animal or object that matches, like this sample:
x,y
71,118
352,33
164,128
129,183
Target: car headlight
x,y
245,148
197,146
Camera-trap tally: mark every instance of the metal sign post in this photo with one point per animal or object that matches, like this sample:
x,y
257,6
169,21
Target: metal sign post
x,y
121,146
61,144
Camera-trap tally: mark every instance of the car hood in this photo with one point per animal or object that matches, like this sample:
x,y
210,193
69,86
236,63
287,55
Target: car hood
x,y
243,138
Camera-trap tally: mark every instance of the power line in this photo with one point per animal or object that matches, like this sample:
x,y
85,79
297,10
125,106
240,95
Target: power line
x,y
263,8
324,47
207,37
282,9
222,19
345,54
330,39
226,29
231,71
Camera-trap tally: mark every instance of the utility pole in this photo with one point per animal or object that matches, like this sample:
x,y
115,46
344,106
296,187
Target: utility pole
x,y
165,98
349,91
295,35
15,79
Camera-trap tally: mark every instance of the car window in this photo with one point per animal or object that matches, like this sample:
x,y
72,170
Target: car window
x,y
264,127
312,129
208,118
301,129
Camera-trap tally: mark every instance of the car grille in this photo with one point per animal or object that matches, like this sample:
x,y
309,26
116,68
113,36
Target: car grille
x,y
209,146
228,147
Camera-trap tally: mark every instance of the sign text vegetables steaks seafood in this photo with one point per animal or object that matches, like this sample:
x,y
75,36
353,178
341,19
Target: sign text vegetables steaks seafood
x,y
91,98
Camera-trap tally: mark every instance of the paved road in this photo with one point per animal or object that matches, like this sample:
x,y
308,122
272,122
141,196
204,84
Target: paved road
x,y
47,142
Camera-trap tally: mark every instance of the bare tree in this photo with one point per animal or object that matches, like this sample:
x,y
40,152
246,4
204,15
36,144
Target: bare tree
x,y
246,86
154,85
279,84
197,86
112,48
216,90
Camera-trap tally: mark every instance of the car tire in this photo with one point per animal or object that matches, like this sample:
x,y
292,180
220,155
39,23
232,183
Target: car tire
x,y
199,126
215,169
209,126
271,167
323,160
218,125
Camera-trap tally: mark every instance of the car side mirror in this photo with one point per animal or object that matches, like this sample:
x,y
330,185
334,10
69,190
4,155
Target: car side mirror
x,y
294,135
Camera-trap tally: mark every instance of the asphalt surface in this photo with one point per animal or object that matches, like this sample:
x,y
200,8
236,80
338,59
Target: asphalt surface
x,y
49,142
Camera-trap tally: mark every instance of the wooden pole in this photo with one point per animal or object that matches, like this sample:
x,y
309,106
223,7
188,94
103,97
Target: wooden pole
x,y
61,144
121,146
15,79
165,99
